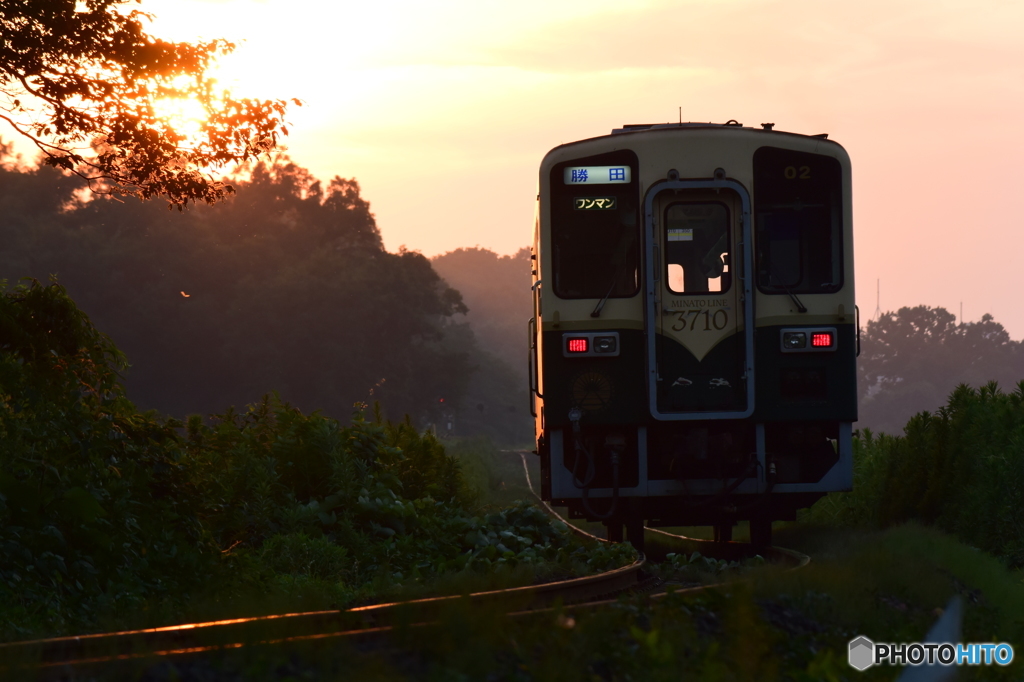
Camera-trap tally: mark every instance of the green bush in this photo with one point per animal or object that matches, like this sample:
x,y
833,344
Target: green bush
x,y
95,501
109,515
700,568
299,554
960,469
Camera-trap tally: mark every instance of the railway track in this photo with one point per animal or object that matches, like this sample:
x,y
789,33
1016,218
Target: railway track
x,y
55,658
364,621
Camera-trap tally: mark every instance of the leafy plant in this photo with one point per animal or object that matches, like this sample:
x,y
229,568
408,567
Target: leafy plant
x,y
697,567
94,500
960,469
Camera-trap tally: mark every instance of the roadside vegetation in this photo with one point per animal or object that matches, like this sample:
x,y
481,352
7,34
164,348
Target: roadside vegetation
x,y
959,469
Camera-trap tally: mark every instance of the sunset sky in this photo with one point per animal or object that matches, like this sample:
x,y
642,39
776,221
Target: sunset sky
x,y
443,110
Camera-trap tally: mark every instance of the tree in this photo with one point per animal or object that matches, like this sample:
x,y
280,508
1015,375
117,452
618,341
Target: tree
x,y
912,359
285,286
82,80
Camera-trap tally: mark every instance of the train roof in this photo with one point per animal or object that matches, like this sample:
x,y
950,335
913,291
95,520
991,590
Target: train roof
x,y
731,126
732,123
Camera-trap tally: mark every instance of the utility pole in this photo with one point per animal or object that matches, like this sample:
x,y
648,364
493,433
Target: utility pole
x,y
878,300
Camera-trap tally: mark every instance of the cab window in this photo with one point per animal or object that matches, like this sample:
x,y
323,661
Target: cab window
x,y
595,231
697,251
798,222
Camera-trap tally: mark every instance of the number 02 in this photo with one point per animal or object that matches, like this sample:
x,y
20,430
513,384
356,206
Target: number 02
x,y
792,172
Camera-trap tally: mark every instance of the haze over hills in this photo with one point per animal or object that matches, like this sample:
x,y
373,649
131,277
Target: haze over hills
x,y
284,287
496,291
912,359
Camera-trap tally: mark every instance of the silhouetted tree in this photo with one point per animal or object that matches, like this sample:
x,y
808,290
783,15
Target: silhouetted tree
x,y
84,74
911,361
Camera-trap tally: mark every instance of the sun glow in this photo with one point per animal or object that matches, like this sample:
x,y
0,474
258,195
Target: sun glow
x,y
186,116
476,91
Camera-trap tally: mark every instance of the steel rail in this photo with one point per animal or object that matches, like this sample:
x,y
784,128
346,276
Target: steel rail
x,y
372,620
191,639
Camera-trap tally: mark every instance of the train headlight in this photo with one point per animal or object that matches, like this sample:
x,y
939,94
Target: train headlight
x,y
605,344
794,340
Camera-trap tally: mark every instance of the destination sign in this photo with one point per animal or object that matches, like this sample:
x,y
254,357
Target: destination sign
x,y
597,175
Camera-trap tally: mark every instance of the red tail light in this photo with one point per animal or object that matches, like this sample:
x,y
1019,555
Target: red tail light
x,y
821,339
578,345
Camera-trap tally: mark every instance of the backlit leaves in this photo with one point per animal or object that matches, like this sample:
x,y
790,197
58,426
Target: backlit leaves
x,y
82,81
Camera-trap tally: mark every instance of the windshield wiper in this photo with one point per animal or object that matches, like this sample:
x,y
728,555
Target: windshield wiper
x,y
600,304
622,249
771,274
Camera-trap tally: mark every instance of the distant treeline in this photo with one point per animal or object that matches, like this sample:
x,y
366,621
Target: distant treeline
x,y
284,287
496,289
913,359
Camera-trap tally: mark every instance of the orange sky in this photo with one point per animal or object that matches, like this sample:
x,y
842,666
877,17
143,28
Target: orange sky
x,y
443,110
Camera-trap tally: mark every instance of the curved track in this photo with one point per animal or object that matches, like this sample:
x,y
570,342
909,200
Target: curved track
x,y
728,551
195,638
56,655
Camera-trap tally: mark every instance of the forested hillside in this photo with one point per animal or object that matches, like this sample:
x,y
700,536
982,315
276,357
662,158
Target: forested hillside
x,y
284,287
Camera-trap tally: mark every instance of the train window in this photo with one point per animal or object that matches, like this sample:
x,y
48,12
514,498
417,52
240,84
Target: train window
x,y
697,247
798,221
595,231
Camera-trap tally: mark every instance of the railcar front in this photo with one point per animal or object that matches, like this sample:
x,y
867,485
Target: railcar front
x,y
694,334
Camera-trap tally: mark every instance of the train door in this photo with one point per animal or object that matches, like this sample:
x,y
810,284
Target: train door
x,y
699,319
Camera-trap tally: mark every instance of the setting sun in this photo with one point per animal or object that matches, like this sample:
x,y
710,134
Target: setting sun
x,y
186,116
479,91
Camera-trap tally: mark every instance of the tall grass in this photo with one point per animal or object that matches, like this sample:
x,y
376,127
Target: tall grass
x,y
960,469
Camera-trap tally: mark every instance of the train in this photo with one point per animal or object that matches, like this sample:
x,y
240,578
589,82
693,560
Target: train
x,y
694,332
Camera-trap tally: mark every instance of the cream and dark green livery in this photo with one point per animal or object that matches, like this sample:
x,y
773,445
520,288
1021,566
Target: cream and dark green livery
x,y
694,337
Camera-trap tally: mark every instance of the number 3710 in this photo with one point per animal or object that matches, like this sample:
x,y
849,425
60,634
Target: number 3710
x,y
700,320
